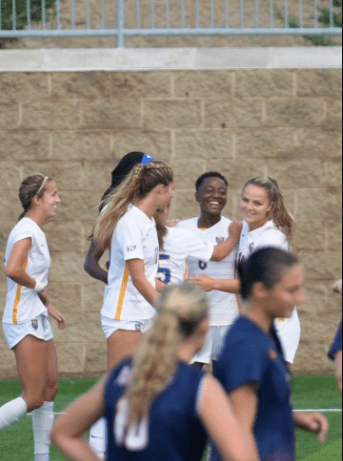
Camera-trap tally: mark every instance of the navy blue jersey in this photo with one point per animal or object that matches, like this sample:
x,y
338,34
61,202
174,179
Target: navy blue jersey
x,y
252,356
337,344
173,430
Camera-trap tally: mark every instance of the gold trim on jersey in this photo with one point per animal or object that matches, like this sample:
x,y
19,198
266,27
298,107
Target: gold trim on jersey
x,y
122,293
17,300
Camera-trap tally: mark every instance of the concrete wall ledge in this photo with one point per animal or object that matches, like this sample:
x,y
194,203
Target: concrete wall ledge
x,y
123,59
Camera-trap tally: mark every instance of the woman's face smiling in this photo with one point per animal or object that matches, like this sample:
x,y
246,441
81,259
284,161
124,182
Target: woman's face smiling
x,y
212,196
255,206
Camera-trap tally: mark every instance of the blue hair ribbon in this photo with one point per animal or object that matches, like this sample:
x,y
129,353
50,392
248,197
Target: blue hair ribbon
x,y
147,159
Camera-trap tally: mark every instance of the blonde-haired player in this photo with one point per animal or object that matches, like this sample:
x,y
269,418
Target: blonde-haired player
x,y
25,322
157,406
127,228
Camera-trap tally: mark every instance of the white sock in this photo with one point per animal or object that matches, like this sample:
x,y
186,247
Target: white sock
x,y
97,439
42,423
11,412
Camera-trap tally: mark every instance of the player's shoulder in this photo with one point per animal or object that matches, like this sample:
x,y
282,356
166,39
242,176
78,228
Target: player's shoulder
x,y
188,223
273,236
26,226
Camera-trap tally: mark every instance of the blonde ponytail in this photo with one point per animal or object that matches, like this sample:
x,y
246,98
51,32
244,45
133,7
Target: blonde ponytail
x,y
280,214
142,180
181,310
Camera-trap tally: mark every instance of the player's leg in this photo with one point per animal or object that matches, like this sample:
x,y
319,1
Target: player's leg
x,y
43,417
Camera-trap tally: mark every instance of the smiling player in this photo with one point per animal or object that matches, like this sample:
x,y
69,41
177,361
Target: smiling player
x,y
213,228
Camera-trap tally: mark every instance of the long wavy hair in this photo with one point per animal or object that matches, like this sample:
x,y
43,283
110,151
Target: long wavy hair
x,y
181,310
138,184
280,214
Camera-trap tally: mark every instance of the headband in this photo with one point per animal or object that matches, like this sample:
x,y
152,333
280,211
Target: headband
x,y
46,179
147,159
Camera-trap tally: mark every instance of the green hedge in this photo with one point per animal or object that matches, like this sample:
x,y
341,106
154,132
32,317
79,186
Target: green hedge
x,y
21,12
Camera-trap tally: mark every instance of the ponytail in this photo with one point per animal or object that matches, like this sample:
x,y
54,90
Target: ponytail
x,y
181,310
31,186
279,214
139,183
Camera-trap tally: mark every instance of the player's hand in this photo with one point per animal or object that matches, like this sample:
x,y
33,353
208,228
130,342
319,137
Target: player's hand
x,y
317,424
173,223
203,281
235,230
60,319
337,288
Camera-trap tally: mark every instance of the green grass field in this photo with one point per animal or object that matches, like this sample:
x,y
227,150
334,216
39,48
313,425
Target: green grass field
x,y
16,442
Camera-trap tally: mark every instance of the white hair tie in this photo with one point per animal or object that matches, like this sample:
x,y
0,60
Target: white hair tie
x,y
43,184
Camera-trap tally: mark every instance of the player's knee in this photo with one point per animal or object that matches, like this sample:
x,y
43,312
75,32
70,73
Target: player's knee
x,y
34,402
51,390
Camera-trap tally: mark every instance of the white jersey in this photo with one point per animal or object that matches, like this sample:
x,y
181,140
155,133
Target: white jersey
x,y
23,304
178,245
223,306
270,236
266,236
135,237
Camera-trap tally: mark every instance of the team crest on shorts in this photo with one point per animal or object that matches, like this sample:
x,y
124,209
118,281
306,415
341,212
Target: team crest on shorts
x,y
220,240
34,324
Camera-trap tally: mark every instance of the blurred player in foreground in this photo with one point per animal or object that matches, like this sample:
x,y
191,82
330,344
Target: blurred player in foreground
x,y
25,322
157,406
335,352
252,368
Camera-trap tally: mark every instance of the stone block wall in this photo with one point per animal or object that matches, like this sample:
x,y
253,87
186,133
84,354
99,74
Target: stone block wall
x,y
76,126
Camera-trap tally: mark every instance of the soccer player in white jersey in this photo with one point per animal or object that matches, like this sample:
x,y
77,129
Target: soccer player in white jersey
x,y
25,322
212,227
177,244
267,223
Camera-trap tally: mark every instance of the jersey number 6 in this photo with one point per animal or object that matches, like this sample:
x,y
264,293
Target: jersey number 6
x,y
136,438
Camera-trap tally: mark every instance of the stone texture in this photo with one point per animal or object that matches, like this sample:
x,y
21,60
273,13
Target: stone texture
x,y
84,85
322,265
8,367
155,143
94,295
111,115
64,235
334,172
96,358
234,172
225,113
334,114
295,112
171,114
320,82
66,297
68,267
81,207
9,116
71,359
317,295
25,87
313,356
319,143
334,234
67,175
310,234
147,85
10,175
263,83
97,175
187,172
81,145
298,173
45,115
203,144
81,329
24,145
323,326
265,143
203,85
319,203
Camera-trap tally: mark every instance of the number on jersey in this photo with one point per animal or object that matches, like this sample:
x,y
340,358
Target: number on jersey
x,y
164,270
136,438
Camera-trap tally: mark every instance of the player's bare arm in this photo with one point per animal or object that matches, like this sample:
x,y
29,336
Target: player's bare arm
x,y
313,422
209,284
234,442
15,267
223,250
92,266
69,430
137,272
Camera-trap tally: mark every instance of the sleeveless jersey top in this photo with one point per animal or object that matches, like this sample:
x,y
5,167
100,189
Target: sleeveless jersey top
x,y
173,430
